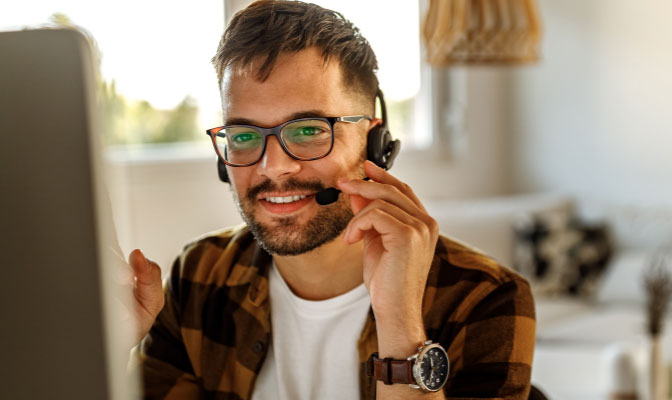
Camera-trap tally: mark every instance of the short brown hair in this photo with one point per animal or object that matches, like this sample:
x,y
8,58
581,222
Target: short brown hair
x,y
269,28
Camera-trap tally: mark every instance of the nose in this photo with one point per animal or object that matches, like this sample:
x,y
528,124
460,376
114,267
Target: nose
x,y
275,163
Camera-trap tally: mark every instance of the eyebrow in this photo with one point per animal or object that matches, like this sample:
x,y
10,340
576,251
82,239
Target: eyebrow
x,y
297,115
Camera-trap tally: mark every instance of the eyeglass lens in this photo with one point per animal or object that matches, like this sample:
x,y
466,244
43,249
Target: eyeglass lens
x,y
304,139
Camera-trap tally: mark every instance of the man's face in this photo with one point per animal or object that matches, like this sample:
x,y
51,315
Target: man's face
x,y
300,84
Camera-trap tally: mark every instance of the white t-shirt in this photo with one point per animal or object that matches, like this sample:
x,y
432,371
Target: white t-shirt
x,y
313,354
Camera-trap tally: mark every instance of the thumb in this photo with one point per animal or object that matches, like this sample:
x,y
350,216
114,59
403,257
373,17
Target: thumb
x,y
146,271
149,299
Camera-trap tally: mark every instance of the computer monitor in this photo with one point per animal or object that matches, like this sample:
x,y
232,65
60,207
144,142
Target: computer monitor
x,y
62,326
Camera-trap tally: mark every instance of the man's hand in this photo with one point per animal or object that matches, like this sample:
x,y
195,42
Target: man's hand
x,y
147,292
399,239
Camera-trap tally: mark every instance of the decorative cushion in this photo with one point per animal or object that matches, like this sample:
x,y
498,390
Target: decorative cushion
x,y
588,258
485,223
559,254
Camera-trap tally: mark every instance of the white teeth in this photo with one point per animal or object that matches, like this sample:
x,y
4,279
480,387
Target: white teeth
x,y
286,199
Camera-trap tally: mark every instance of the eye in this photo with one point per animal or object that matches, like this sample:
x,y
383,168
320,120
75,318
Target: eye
x,y
305,132
245,137
243,140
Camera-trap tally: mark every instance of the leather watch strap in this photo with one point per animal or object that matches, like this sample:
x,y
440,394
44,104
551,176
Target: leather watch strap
x,y
390,371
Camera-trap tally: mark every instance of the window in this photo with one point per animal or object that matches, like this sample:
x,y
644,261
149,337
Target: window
x,y
159,86
394,35
157,81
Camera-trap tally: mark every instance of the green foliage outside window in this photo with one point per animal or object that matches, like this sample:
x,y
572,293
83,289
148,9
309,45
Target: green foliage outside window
x,y
128,121
135,122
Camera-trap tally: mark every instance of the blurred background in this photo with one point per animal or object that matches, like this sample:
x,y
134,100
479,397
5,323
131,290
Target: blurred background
x,y
559,166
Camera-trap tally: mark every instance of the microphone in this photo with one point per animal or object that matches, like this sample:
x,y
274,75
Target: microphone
x,y
329,195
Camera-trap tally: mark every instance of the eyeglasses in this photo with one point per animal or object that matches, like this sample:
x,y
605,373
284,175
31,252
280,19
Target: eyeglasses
x,y
304,139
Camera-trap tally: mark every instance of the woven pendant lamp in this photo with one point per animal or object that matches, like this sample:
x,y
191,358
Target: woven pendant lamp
x,y
482,32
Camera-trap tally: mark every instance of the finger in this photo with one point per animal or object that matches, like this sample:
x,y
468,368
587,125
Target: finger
x,y
380,175
392,209
386,219
146,271
148,290
375,190
357,203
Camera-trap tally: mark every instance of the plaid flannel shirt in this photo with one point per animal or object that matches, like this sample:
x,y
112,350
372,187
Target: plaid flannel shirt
x,y
211,337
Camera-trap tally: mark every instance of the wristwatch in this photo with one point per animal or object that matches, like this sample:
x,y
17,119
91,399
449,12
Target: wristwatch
x,y
426,370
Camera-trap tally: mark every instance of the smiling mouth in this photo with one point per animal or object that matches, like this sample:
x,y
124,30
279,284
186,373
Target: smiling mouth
x,y
285,199
287,204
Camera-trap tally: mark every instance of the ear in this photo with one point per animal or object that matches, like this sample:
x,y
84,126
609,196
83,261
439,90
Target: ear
x,y
374,123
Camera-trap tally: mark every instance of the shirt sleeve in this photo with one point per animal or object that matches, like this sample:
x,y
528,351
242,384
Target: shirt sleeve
x,y
165,368
493,349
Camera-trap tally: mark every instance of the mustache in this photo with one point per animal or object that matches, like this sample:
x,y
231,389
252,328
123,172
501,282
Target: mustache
x,y
290,184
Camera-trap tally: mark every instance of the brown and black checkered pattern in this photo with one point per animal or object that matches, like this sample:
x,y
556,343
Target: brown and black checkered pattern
x,y
211,338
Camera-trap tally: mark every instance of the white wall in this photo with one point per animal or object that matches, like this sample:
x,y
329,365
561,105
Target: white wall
x,y
162,201
594,118
473,158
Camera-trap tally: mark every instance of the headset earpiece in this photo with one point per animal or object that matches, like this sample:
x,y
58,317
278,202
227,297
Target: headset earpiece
x,y
377,140
380,148
221,171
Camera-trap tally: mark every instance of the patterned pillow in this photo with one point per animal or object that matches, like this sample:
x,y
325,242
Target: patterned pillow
x,y
559,254
589,258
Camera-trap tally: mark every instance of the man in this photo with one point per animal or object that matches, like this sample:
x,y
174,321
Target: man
x,y
296,303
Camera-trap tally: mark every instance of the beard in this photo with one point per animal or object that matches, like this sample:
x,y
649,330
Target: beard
x,y
287,236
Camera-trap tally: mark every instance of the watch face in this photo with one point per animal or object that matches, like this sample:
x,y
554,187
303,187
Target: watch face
x,y
432,368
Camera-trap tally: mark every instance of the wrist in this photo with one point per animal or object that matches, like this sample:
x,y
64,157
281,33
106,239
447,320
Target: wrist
x,y
428,370
399,339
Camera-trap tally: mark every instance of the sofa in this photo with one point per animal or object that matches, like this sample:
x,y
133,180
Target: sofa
x,y
589,346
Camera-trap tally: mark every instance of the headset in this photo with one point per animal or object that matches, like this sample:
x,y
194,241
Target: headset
x,y
381,149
